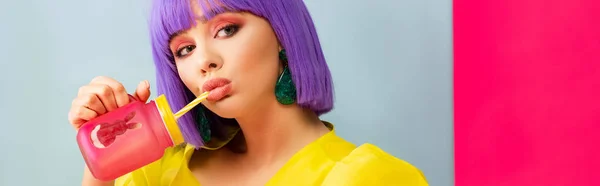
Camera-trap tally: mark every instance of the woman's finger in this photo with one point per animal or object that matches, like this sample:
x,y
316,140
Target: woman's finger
x,y
119,92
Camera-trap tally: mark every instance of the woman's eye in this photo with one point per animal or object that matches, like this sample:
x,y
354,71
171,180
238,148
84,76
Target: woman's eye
x,y
227,31
185,50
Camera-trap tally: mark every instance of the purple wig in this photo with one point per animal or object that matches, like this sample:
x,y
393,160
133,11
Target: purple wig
x,y
293,27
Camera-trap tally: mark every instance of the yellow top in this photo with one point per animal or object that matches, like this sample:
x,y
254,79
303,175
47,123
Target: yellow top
x,y
329,160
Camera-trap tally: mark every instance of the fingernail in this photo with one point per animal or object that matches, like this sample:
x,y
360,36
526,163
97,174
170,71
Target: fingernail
x,y
131,98
146,84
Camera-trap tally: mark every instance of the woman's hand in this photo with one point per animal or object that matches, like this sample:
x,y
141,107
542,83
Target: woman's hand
x,y
102,95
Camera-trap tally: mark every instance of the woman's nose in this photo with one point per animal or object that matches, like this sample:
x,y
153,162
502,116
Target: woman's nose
x,y
210,62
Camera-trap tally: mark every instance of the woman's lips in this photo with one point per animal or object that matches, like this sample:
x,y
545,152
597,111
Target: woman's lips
x,y
219,93
218,88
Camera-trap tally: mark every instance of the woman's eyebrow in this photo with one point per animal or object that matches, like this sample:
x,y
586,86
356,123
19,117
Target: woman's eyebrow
x,y
212,13
174,35
203,19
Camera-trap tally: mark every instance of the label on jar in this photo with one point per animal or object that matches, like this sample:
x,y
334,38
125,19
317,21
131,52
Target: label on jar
x,y
104,134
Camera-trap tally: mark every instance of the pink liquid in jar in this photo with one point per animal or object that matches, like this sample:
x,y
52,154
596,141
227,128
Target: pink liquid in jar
x,y
128,138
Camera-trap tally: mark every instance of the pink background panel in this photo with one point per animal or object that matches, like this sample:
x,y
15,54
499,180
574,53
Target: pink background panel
x,y
527,92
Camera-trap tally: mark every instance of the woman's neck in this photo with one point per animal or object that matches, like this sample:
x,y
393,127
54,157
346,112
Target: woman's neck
x,y
278,131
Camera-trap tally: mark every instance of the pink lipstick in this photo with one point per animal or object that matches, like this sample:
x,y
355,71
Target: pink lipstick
x,y
218,88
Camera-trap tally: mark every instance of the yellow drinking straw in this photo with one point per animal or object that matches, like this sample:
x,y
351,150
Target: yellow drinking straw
x,y
191,105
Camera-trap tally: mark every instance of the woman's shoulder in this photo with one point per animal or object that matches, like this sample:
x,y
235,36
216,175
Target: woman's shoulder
x,y
370,165
366,164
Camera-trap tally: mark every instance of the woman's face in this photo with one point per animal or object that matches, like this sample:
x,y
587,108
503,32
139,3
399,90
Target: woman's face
x,y
240,47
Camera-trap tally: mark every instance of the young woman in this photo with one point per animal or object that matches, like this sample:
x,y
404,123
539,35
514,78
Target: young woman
x,y
263,65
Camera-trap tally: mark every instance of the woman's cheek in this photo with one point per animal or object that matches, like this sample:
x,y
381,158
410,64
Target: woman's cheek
x,y
188,81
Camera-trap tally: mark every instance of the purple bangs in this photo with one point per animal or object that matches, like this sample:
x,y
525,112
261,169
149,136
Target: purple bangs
x,y
292,25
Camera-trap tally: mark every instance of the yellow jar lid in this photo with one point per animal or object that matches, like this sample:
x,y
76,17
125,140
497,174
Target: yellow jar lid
x,y
168,119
